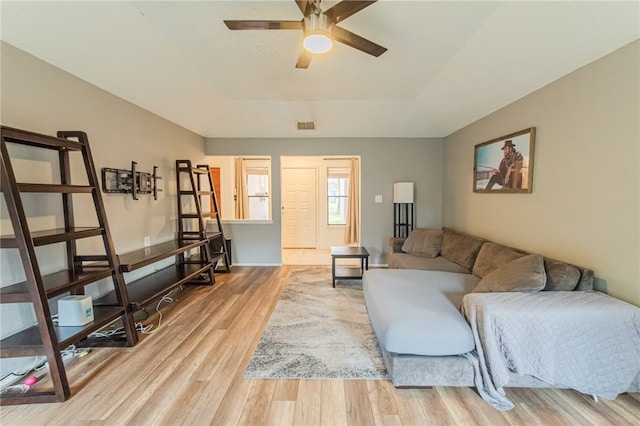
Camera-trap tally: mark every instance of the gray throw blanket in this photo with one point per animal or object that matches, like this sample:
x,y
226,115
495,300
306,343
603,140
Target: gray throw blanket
x,y
584,340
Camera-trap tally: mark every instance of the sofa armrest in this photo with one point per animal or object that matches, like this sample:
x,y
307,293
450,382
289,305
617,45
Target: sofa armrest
x,y
395,245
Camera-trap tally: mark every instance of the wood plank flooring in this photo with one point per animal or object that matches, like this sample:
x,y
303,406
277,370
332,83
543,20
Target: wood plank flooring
x,y
313,257
190,372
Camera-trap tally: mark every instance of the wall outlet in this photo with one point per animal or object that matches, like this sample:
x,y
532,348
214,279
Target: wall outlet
x,y
378,198
147,241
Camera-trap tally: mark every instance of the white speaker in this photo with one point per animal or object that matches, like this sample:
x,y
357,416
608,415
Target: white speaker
x,y
75,311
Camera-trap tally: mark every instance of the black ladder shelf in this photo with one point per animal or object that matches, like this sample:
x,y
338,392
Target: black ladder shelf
x,y
46,338
191,224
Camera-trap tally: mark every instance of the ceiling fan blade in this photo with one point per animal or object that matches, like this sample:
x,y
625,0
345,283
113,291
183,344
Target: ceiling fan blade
x,y
305,6
357,42
304,59
263,25
344,9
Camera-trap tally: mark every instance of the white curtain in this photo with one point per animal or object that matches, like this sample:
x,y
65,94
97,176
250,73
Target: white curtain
x,y
352,230
242,198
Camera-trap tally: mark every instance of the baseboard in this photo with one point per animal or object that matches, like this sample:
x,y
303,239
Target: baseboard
x,y
376,265
256,264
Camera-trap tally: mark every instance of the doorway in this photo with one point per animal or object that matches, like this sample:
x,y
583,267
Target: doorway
x,y
215,178
313,207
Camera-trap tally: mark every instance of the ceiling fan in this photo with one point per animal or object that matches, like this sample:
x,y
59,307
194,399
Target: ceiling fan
x,y
320,28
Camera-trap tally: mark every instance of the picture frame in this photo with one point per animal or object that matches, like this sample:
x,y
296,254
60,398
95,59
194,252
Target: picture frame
x,y
505,164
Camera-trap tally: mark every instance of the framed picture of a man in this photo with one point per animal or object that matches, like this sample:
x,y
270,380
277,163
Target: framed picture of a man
x,y
505,164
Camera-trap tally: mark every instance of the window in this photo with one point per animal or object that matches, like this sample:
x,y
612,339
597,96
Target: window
x,y
258,192
337,195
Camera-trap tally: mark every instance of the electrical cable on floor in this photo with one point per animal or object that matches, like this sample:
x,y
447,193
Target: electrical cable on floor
x,y
107,333
165,298
144,329
39,363
20,388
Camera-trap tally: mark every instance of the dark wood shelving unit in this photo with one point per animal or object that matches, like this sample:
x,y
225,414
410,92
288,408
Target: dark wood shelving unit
x,y
152,287
55,284
198,268
191,225
29,343
49,187
195,260
46,338
52,236
148,255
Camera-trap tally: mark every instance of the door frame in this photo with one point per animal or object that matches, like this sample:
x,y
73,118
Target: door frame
x,y
286,164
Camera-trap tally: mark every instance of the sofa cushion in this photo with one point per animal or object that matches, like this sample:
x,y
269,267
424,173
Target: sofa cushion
x,y
409,261
523,274
423,242
460,248
415,312
395,245
492,256
587,280
560,276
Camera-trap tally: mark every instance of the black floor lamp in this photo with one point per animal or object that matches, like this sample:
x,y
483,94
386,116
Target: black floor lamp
x,y
402,209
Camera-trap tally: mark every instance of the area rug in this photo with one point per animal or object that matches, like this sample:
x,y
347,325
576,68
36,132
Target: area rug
x,y
318,332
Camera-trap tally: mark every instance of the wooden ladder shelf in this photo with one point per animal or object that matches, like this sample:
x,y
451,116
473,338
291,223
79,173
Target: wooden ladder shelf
x,y
194,184
46,338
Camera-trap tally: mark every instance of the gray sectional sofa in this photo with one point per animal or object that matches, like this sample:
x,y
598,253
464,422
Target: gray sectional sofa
x,y
458,252
414,306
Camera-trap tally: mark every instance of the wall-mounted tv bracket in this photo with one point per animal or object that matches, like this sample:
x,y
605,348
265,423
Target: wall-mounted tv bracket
x,y
155,177
123,181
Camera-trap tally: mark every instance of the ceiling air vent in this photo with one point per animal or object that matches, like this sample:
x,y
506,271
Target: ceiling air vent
x,y
306,125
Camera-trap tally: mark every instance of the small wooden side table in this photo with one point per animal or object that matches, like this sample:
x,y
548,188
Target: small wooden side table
x,y
348,272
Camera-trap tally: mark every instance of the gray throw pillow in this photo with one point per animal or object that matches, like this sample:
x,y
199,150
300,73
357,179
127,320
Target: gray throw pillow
x,y
492,256
423,242
560,276
460,248
523,274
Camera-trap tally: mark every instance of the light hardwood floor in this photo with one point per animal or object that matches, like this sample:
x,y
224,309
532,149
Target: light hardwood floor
x,y
312,257
190,372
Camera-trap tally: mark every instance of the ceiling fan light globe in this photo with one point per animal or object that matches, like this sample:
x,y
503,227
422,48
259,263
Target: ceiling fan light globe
x,y
317,43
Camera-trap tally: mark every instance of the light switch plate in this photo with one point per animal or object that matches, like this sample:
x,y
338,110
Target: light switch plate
x,y
378,198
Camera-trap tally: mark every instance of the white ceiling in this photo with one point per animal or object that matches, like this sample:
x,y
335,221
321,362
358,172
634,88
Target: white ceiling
x,y
448,64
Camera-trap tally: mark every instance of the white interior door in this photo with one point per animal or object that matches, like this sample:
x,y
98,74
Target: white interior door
x,y
299,210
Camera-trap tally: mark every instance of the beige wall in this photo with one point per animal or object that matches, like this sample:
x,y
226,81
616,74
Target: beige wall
x,y
383,161
585,204
39,97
